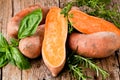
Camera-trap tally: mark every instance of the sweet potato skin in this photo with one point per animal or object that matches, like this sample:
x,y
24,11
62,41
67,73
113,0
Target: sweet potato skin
x,y
96,45
13,24
31,46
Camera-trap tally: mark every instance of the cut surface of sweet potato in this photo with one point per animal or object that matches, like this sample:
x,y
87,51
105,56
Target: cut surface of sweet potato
x,y
90,24
53,49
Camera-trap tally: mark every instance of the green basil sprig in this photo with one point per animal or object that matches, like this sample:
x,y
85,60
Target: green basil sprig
x,y
9,53
14,42
3,59
29,24
19,60
3,46
3,42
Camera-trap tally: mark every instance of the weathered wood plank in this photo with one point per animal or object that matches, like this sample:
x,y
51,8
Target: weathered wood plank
x,y
48,3
9,72
0,30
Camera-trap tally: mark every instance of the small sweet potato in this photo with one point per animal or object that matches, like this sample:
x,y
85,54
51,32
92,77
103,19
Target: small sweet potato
x,y
96,45
13,24
31,46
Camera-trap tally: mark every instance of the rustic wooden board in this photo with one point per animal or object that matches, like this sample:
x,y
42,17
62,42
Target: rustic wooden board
x,y
39,71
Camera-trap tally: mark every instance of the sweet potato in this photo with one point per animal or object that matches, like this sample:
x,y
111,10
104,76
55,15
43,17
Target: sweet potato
x,y
95,45
90,24
53,48
31,46
13,24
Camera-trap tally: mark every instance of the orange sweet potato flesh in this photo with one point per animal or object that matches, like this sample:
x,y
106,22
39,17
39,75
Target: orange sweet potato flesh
x,y
53,48
31,47
90,24
13,24
95,45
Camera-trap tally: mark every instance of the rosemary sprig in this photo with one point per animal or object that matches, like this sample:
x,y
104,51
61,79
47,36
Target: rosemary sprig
x,y
70,28
76,64
66,9
87,63
77,72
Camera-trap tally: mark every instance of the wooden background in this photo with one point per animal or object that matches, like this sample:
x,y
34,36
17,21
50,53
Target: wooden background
x,y
39,71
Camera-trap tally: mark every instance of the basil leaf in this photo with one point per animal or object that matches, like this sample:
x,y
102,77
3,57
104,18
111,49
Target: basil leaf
x,y
29,24
3,47
19,60
14,42
3,42
3,59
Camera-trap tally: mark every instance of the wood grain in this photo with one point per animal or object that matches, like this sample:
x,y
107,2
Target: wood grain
x,y
9,72
39,71
1,31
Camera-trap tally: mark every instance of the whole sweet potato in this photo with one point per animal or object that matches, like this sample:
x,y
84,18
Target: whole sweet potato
x,y
95,45
13,24
31,46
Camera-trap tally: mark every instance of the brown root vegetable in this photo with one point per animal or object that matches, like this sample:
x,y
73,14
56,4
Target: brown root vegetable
x,y
31,46
96,45
13,24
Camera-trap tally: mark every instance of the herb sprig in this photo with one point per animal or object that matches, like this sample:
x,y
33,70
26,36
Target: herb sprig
x,y
9,53
77,64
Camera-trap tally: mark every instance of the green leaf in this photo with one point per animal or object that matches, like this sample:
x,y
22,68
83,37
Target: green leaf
x,y
14,42
3,47
3,42
66,9
70,28
18,59
29,24
3,59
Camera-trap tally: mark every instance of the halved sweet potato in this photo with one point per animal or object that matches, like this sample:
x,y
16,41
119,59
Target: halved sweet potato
x,y
53,48
90,24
